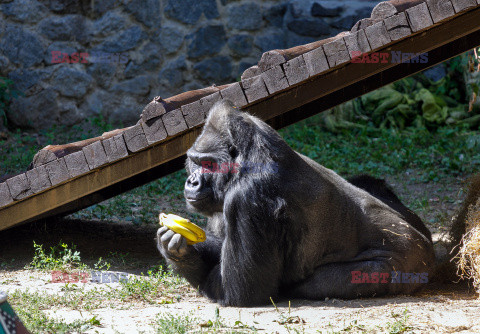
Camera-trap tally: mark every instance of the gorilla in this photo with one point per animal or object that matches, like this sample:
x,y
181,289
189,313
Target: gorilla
x,y
281,225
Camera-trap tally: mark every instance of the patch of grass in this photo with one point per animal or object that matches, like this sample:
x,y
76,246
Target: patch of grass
x,y
30,306
60,257
400,323
173,324
382,152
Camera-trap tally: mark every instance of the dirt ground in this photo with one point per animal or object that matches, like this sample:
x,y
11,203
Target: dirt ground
x,y
438,308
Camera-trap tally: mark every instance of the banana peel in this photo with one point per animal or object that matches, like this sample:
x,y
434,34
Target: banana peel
x,y
190,231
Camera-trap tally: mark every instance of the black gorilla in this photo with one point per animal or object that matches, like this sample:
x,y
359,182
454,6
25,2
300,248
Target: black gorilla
x,y
281,225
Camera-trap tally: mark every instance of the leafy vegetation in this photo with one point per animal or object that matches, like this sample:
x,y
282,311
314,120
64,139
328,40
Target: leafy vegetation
x,y
7,93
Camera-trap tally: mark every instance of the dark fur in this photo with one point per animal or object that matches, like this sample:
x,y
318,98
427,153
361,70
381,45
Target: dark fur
x,y
297,232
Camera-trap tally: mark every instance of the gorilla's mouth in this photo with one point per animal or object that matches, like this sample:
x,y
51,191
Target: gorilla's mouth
x,y
196,198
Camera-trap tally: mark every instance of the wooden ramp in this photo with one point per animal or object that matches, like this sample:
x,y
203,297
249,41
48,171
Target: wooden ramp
x,y
286,86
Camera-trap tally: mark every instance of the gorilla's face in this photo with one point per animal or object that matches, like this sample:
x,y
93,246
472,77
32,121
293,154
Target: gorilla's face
x,y
210,166
216,163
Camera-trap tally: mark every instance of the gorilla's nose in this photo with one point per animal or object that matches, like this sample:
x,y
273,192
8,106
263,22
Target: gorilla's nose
x,y
193,186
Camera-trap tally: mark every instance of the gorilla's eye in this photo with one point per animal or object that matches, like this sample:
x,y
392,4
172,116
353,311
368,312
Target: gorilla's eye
x,y
232,150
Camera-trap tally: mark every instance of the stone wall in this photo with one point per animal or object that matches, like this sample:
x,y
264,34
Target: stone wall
x,y
74,59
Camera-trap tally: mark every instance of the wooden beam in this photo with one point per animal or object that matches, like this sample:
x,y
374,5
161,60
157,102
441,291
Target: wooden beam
x,y
66,194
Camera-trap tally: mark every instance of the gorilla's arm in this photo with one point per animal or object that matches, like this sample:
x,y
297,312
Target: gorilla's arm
x,y
246,267
251,263
192,262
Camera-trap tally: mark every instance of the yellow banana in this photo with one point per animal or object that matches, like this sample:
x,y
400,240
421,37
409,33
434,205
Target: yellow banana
x,y
185,227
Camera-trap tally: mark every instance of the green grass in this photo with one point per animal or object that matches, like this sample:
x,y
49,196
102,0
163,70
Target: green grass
x,y
388,152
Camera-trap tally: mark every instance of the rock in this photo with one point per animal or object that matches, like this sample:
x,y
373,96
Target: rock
x,y
321,11
270,39
214,70
139,86
274,15
25,10
189,11
435,73
69,113
21,47
309,27
71,82
65,28
101,7
241,45
63,47
124,41
24,79
38,111
205,41
93,104
109,23
244,16
171,73
102,73
126,110
145,11
171,39
3,64
149,59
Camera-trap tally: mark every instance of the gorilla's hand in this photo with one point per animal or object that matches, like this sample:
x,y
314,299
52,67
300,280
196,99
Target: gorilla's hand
x,y
172,245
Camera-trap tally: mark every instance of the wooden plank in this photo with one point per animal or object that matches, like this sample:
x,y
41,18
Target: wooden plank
x,y
251,72
333,82
115,147
19,187
254,88
57,171
174,122
316,61
5,196
76,164
336,52
296,70
357,43
362,24
461,5
419,17
277,57
382,11
135,138
377,35
397,26
153,109
275,79
209,101
95,155
92,182
440,9
42,157
193,113
234,93
38,178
